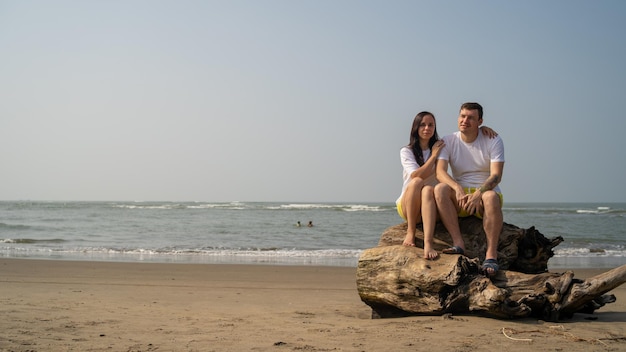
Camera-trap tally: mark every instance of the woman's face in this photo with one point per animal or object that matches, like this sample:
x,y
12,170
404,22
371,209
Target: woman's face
x,y
427,128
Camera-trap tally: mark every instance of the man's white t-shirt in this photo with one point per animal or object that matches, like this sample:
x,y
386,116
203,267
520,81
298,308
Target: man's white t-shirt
x,y
470,162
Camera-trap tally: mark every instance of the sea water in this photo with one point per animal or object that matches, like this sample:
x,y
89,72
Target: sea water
x,y
267,233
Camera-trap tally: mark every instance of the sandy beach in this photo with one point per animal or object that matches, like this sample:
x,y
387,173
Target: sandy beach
x,y
50,305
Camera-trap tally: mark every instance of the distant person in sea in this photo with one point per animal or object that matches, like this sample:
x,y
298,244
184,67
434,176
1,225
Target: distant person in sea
x,y
477,164
310,224
298,224
416,202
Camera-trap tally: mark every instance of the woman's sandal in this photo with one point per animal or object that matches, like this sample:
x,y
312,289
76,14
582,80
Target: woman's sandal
x,y
453,250
489,264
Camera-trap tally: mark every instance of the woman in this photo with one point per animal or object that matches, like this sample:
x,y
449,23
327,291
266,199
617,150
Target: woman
x,y
417,202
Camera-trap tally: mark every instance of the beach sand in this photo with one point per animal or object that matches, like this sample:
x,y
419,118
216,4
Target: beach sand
x,y
50,305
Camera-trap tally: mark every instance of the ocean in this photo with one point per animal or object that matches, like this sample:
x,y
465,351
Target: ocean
x,y
266,232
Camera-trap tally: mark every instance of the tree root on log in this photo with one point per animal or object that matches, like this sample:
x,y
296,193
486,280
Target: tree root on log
x,y
397,281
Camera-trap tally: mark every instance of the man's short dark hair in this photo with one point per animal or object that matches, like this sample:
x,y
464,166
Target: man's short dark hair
x,y
473,106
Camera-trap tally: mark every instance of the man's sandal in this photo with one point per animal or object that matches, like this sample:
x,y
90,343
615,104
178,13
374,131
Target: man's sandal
x,y
453,250
490,267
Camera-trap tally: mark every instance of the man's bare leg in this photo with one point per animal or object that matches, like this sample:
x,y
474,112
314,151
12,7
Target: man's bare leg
x,y
492,224
448,212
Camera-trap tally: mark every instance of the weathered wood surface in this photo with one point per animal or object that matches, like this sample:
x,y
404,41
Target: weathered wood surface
x,y
396,280
523,250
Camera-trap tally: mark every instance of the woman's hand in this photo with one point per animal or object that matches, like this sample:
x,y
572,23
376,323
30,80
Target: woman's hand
x,y
436,149
487,131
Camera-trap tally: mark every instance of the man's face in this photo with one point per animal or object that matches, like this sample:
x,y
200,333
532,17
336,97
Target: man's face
x,y
468,121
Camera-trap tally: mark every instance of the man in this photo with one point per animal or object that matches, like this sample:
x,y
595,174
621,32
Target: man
x,y
476,163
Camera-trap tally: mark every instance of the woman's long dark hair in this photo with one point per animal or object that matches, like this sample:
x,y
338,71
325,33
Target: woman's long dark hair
x,y
414,141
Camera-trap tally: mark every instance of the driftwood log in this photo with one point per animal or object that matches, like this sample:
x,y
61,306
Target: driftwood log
x,y
396,280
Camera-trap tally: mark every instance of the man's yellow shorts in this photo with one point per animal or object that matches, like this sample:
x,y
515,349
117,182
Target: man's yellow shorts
x,y
462,213
470,190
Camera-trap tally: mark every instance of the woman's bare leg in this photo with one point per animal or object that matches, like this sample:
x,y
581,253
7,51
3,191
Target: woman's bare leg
x,y
429,219
411,206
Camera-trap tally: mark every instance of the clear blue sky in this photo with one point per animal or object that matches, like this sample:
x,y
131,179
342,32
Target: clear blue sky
x,y
303,101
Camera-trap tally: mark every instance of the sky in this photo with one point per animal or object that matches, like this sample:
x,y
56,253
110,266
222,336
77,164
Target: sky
x,y
303,101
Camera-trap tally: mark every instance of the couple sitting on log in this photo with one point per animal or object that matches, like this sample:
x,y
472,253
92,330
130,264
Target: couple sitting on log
x,y
475,155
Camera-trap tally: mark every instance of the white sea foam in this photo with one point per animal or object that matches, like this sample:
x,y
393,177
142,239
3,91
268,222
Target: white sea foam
x,y
333,257
586,252
598,210
263,232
